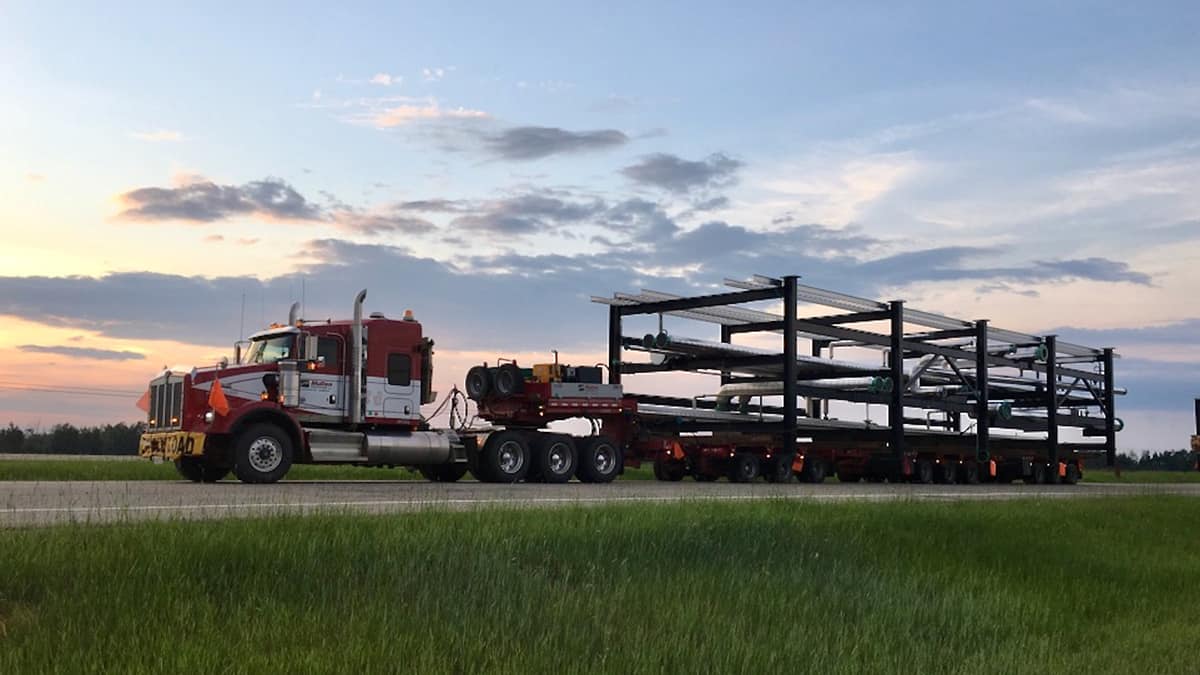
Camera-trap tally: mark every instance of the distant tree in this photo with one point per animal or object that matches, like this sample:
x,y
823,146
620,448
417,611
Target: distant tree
x,y
65,439
12,439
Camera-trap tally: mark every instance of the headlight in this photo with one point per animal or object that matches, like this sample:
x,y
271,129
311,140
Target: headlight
x,y
208,417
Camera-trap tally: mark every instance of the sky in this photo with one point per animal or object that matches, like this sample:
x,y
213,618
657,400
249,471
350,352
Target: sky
x,y
172,177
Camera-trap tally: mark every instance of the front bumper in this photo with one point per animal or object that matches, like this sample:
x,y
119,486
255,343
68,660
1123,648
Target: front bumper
x,y
171,444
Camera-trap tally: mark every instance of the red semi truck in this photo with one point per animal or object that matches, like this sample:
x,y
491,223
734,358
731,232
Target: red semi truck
x,y
350,392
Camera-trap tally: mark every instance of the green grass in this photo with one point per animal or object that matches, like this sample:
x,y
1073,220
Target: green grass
x,y
1097,586
1135,476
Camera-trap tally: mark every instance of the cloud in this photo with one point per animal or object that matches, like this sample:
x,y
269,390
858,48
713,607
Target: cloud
x,y
436,73
408,113
158,136
205,201
382,221
674,174
527,214
525,143
83,352
386,80
214,238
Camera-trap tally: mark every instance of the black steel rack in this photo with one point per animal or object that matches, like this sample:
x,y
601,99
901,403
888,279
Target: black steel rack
x,y
999,379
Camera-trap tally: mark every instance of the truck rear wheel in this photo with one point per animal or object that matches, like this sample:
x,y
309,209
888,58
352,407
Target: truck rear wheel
x,y
262,454
1073,474
1037,474
599,460
778,470
554,457
923,472
505,457
948,472
197,470
814,471
970,472
443,473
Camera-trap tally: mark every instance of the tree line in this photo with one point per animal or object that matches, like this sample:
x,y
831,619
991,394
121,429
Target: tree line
x,y
68,439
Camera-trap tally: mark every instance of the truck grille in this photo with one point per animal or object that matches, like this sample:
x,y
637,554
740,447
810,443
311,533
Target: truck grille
x,y
166,404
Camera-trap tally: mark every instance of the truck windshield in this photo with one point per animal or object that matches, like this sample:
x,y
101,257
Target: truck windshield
x,y
270,350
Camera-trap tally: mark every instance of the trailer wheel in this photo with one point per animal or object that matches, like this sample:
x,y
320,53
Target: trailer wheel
x,y
1073,474
744,468
948,472
554,457
923,472
478,383
509,380
600,460
262,454
443,473
1037,474
505,457
778,471
970,472
814,471
669,470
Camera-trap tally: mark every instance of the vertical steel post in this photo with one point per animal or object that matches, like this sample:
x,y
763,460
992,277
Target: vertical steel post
x,y
814,404
896,403
726,338
983,422
789,367
1110,411
614,345
1052,403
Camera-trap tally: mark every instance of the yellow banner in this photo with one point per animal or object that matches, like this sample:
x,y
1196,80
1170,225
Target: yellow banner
x,y
171,444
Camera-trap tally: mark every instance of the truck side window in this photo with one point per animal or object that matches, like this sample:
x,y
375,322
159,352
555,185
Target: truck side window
x,y
399,369
331,349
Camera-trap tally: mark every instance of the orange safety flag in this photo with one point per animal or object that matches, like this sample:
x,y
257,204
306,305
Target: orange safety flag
x,y
143,403
677,451
1062,469
992,468
798,464
217,400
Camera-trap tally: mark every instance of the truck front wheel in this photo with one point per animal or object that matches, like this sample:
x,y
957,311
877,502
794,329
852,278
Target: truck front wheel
x,y
262,454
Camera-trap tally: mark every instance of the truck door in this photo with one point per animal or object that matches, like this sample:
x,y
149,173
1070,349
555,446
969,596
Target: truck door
x,y
323,390
400,388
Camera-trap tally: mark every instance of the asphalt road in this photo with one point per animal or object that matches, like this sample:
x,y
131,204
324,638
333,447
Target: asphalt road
x,y
24,503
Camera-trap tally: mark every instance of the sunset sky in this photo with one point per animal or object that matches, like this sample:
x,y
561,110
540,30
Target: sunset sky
x,y
493,165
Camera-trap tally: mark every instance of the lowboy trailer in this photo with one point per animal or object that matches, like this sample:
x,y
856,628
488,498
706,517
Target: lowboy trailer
x,y
351,392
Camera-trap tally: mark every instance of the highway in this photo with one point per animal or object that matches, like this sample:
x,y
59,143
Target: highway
x,y
26,503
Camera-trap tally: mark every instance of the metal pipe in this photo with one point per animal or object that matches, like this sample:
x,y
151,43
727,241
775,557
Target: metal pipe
x,y
293,314
356,360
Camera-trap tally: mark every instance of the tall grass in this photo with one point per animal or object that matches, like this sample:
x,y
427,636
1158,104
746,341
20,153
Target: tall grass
x,y
1098,586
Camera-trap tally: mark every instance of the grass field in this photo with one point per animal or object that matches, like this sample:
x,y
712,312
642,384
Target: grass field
x,y
1108,476
1099,586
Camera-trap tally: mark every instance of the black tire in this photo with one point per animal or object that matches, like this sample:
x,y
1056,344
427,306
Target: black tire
x,y
443,473
1073,475
1037,474
744,468
779,470
948,472
478,383
509,380
923,472
669,470
554,457
262,453
506,457
849,476
814,471
1052,477
600,460
969,472
190,468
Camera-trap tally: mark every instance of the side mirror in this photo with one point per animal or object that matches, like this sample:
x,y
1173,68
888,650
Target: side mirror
x,y
310,347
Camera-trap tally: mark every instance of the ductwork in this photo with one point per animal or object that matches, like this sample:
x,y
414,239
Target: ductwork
x,y
356,360
294,314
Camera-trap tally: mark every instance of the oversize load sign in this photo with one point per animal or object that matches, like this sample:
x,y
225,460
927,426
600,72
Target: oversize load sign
x,y
171,444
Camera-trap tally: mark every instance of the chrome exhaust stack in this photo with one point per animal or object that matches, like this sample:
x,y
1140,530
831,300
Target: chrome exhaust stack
x,y
294,314
357,381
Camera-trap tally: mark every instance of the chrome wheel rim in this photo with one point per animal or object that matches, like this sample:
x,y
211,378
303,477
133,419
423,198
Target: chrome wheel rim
x,y
605,459
559,459
266,454
511,457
